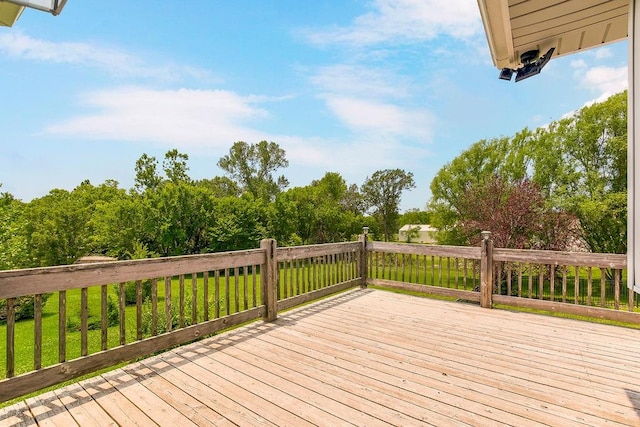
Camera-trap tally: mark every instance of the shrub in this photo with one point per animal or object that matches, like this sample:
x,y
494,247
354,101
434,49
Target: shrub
x,y
95,322
23,307
130,290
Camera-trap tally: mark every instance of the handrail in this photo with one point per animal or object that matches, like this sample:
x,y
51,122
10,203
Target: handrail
x,y
188,297
589,284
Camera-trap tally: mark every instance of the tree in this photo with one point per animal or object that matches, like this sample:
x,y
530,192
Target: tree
x,y
382,193
175,166
592,184
176,219
516,215
220,186
578,164
238,223
13,244
252,167
147,177
321,212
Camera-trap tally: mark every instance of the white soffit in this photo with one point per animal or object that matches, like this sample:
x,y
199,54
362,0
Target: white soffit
x,y
516,26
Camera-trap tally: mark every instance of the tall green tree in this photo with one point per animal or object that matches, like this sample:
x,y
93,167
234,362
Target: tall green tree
x,y
175,166
238,223
13,245
220,186
382,193
147,176
321,212
176,219
252,167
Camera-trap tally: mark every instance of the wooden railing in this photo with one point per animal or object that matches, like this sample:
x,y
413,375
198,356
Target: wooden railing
x,y
584,284
87,317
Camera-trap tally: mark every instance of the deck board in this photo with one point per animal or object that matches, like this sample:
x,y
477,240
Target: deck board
x,y
367,358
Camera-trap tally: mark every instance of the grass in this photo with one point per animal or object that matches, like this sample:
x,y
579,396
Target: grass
x,y
451,273
234,295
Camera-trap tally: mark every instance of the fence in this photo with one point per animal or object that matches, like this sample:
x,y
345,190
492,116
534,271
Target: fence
x,y
86,317
586,284
98,315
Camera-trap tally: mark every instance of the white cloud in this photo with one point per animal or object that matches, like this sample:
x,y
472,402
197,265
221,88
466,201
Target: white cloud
x,y
191,118
111,60
360,80
578,64
603,53
405,20
353,158
378,118
605,80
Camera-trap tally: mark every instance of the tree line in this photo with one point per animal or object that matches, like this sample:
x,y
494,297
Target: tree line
x,y
559,187
168,213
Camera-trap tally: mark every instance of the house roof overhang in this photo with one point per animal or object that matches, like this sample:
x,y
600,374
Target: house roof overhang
x,y
513,27
9,13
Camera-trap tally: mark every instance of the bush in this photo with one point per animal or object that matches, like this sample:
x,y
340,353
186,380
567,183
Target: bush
x,y
23,307
130,289
95,322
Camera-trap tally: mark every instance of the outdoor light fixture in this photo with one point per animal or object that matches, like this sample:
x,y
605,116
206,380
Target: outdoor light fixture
x,y
532,65
506,74
10,10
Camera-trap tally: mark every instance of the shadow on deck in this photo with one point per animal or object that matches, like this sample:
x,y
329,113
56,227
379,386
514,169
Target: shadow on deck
x,y
368,357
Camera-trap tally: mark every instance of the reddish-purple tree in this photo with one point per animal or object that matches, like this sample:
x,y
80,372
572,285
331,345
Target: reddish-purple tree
x,y
516,215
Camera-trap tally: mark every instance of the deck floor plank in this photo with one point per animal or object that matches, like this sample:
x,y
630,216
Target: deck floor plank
x,y
121,409
367,358
85,411
502,357
17,415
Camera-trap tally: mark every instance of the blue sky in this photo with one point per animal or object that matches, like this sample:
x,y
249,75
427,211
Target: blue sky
x,y
349,86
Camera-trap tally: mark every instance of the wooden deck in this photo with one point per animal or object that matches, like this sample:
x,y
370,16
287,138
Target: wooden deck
x,y
370,358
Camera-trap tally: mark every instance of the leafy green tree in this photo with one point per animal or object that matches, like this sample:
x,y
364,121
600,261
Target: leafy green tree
x,y
592,183
382,193
176,219
147,176
238,223
252,166
119,223
578,164
321,212
59,226
220,186
13,244
57,231
175,166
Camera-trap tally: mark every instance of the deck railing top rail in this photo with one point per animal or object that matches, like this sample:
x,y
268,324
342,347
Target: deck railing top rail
x,y
440,250
16,283
580,259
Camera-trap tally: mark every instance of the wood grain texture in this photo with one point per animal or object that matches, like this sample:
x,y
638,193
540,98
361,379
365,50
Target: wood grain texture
x,y
368,357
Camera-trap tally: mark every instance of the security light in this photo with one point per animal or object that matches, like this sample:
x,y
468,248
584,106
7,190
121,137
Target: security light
x,y
506,74
532,65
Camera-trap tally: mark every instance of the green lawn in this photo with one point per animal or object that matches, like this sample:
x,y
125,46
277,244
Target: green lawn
x,y
235,293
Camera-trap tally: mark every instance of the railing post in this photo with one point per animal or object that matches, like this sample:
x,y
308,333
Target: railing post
x,y
363,257
486,270
269,280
